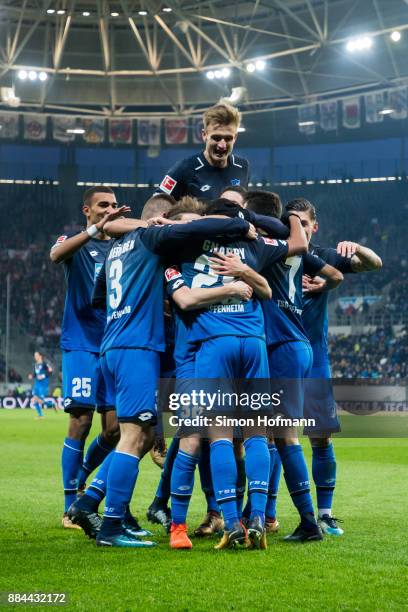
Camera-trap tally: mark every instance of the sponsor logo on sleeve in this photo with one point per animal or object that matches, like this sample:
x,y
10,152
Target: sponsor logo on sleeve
x,y
168,184
270,241
172,273
60,240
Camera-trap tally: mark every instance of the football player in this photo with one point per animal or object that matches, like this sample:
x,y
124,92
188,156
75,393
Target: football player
x,y
205,175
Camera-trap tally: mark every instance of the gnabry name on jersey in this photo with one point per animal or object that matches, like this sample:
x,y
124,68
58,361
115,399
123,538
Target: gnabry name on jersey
x,y
117,251
213,247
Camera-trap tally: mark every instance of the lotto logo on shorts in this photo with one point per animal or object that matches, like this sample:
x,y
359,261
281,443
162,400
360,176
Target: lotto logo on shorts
x,y
168,184
270,241
172,273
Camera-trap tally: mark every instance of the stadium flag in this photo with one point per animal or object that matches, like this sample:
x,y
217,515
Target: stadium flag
x,y
374,102
398,100
197,126
35,127
148,132
9,125
120,131
94,130
176,131
60,125
307,114
351,112
328,115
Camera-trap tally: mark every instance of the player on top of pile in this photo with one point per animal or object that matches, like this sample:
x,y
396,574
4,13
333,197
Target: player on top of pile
x,y
207,174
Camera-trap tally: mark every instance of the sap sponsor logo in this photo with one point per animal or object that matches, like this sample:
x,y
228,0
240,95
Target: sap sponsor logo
x,y
168,184
117,251
205,187
172,273
270,241
235,182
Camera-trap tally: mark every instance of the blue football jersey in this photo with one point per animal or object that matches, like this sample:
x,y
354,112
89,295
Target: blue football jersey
x,y
41,371
132,278
183,349
82,326
232,316
315,316
194,176
283,312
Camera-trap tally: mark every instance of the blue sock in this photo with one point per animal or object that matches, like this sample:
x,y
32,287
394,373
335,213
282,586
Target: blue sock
x,y
224,474
204,467
274,478
241,482
122,476
97,488
38,408
95,455
163,490
297,478
72,454
324,475
182,484
257,471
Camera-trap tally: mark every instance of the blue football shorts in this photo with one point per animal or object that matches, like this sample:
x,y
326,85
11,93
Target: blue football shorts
x,y
289,365
83,384
132,377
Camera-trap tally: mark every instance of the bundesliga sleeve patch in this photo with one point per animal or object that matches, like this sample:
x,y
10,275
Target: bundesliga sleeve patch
x,y
172,273
168,184
60,240
270,241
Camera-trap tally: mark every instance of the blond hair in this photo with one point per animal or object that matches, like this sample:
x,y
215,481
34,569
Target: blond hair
x,y
186,204
222,114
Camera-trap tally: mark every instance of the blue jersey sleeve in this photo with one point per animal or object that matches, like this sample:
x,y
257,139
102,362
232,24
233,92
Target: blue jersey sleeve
x,y
159,239
174,280
271,251
272,226
176,180
99,290
312,264
333,258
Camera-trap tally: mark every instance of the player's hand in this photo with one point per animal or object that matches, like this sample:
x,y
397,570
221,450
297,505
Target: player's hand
x,y
252,234
227,265
111,215
347,248
313,285
241,290
159,221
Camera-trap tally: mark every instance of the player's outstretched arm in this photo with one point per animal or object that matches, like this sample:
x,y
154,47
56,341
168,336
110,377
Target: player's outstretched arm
x,y
270,226
232,265
65,248
119,227
363,259
193,299
332,277
297,241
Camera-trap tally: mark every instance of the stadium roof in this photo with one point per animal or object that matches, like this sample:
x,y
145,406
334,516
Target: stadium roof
x,y
136,58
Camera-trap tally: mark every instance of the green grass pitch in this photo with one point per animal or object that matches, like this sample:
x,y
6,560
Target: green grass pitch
x,y
366,569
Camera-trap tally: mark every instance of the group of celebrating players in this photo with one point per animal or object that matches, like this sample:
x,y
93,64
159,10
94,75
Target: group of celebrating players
x,y
213,283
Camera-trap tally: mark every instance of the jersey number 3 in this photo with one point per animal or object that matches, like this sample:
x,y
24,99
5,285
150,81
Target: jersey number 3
x,y
115,275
